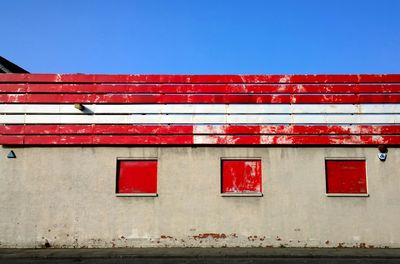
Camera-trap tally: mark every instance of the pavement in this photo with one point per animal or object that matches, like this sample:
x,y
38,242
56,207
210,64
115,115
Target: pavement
x,y
199,253
208,261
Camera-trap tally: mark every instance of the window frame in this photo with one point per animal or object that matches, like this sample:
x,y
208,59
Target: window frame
x,y
244,194
117,169
345,194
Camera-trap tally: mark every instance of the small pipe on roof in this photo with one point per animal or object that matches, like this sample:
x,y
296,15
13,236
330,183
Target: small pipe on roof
x,y
79,106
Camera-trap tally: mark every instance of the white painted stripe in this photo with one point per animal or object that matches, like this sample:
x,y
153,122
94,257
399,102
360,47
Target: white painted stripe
x,y
202,119
202,109
12,119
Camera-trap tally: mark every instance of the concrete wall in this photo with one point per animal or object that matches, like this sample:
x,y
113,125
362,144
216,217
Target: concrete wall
x,y
65,197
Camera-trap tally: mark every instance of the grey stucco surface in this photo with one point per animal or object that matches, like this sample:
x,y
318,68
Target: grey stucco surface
x,y
66,197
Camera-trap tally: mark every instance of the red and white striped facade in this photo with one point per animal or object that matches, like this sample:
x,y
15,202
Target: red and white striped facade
x,y
38,109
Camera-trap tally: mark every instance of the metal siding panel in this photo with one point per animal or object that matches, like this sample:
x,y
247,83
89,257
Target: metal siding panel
x,y
12,119
143,140
203,119
258,119
58,140
135,78
143,129
196,139
11,140
307,109
202,129
198,88
202,109
200,98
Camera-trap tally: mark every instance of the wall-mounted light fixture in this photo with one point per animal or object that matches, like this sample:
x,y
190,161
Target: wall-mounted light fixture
x,y
11,155
382,155
79,106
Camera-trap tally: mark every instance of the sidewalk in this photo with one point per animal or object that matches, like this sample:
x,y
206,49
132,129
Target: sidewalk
x,y
198,252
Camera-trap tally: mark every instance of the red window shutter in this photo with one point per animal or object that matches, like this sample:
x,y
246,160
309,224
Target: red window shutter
x,y
241,176
137,176
346,176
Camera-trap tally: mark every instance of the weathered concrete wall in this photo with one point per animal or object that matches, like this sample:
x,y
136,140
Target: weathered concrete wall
x,y
66,197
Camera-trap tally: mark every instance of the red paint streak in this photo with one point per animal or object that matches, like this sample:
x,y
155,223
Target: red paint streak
x,y
58,140
243,129
329,140
241,176
200,98
96,129
189,140
11,140
143,99
209,79
143,140
12,129
143,129
199,88
346,176
137,176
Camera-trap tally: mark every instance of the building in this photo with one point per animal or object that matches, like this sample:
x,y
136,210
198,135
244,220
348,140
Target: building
x,y
199,160
7,66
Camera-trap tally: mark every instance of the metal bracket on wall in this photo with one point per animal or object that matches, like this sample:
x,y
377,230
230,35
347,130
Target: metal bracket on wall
x,y
11,155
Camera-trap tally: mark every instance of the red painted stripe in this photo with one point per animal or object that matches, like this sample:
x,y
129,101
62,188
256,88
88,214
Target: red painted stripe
x,y
334,130
330,140
206,140
11,140
100,78
206,130
345,99
58,140
12,130
143,140
200,99
140,130
95,129
45,129
105,140
199,88
303,140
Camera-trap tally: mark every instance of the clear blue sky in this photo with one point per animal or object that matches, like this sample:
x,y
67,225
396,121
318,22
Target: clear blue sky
x,y
202,36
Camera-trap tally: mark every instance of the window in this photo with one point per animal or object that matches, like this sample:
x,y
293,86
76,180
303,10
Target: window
x,y
240,177
136,177
346,177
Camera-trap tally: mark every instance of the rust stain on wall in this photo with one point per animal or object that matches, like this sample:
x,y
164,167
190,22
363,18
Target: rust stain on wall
x,y
166,237
210,235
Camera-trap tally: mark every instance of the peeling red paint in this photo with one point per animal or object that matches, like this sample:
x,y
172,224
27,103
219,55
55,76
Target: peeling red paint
x,y
54,88
199,99
201,89
241,176
200,79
